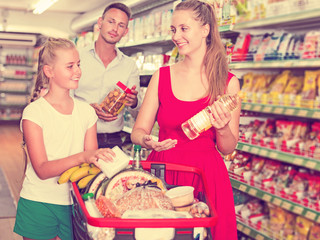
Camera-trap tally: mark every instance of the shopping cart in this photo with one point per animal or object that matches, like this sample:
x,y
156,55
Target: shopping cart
x,y
125,228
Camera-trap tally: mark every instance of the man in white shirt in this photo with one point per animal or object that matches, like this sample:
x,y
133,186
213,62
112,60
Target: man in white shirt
x,y
103,65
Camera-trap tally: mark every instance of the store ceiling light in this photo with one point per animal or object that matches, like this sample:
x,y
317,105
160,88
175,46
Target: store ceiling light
x,y
43,5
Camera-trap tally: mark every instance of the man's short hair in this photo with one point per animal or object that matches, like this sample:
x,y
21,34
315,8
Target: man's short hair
x,y
122,7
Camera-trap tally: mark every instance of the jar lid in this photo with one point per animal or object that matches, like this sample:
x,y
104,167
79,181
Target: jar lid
x,y
123,87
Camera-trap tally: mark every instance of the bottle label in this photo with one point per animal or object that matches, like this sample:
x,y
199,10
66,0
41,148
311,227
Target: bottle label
x,y
201,121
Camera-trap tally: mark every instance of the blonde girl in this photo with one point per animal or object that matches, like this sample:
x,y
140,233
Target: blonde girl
x,y
59,132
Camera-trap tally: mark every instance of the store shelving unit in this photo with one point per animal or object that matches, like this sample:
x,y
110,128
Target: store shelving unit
x,y
16,73
295,21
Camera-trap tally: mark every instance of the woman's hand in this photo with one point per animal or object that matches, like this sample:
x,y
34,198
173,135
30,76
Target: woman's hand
x,y
220,115
158,146
105,154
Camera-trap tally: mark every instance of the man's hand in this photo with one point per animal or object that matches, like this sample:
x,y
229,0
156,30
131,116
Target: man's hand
x,y
102,114
132,98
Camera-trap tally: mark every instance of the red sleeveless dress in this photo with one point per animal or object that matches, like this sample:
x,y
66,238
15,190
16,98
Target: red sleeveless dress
x,y
200,153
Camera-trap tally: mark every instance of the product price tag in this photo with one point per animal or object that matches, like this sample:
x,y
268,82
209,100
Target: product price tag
x,y
246,231
298,161
240,227
245,148
254,150
311,215
311,164
277,201
278,110
263,152
298,210
302,113
243,188
253,192
273,155
267,197
257,108
267,109
289,111
259,237
316,115
286,205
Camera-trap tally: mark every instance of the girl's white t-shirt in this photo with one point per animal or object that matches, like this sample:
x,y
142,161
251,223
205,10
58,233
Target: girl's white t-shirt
x,y
63,136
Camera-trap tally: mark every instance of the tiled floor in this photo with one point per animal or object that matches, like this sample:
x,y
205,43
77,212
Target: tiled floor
x,y
12,164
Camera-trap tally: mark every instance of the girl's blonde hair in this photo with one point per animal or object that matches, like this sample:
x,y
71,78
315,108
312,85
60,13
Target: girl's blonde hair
x,y
47,56
215,59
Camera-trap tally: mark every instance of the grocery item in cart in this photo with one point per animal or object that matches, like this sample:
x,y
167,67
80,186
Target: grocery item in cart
x,y
120,162
139,198
127,180
182,197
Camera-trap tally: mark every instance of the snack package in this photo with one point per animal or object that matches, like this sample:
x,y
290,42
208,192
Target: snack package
x,y
284,178
115,100
303,227
294,85
280,82
241,47
139,198
314,233
199,210
277,216
309,85
289,226
311,43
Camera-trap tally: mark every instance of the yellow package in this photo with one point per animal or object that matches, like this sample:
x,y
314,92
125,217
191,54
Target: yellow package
x,y
289,225
309,84
318,84
277,217
303,226
294,85
280,82
248,79
314,232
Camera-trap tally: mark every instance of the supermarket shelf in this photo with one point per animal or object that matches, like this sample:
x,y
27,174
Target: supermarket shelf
x,y
280,156
302,17
14,91
148,41
279,201
296,63
251,232
282,110
14,79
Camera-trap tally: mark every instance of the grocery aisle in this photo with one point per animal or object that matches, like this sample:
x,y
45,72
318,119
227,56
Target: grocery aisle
x,y
11,162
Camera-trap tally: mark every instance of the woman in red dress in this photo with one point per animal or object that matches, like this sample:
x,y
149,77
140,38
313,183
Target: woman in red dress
x,y
177,92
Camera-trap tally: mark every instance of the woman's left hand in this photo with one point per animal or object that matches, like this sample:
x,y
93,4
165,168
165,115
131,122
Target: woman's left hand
x,y
220,116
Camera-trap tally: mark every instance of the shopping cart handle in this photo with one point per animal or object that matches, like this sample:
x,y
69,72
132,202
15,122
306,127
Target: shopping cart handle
x,y
159,170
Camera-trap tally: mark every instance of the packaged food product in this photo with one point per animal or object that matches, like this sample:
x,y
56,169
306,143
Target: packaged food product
x,y
303,227
314,232
115,100
309,85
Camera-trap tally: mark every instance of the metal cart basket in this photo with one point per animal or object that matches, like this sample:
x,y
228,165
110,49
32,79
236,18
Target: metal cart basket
x,y
125,228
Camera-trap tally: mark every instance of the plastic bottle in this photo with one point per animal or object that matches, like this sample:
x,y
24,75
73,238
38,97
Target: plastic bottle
x,y
91,205
136,156
200,122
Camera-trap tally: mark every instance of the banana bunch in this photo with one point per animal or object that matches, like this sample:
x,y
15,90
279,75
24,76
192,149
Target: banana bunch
x,y
81,174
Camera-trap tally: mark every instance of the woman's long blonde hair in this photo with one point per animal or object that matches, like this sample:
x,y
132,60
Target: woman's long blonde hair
x,y
215,59
47,56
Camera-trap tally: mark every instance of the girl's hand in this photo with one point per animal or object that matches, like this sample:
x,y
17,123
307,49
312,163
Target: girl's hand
x,y
220,116
105,154
158,146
